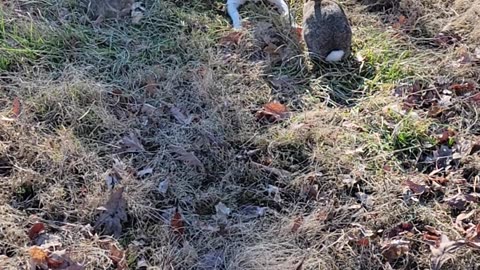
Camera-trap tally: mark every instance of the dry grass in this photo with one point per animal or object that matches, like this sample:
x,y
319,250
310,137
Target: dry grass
x,y
83,89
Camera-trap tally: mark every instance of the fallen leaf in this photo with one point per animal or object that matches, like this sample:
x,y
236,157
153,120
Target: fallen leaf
x,y
56,261
475,98
232,38
118,257
442,251
416,188
363,242
211,260
16,107
458,202
132,144
461,89
297,223
177,223
435,111
188,157
277,172
163,186
300,265
460,218
297,32
399,229
111,220
180,117
275,191
35,230
252,212
38,255
395,249
365,199
222,212
443,39
348,180
144,172
273,111
112,180
151,87
446,136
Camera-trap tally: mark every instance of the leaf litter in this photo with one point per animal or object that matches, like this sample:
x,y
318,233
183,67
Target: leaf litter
x,y
131,144
111,220
187,157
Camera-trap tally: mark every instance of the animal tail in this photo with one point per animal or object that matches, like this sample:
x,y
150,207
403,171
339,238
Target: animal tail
x,y
335,56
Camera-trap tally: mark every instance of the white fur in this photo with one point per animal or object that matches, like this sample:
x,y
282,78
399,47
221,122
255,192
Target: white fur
x,y
233,5
334,56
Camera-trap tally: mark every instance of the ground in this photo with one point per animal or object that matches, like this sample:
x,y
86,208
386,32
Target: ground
x,y
151,145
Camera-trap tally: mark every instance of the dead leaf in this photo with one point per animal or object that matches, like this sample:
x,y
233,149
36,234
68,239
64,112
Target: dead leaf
x,y
446,136
212,260
16,107
112,180
461,89
416,188
460,218
443,251
38,255
151,87
55,261
180,117
118,257
275,191
252,212
273,112
297,223
435,111
443,39
35,230
232,38
163,186
111,220
222,212
395,249
400,229
131,144
177,223
297,32
188,157
277,172
363,242
400,22
144,172
459,201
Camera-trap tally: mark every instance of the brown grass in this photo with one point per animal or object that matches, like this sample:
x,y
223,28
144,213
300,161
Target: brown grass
x,y
83,89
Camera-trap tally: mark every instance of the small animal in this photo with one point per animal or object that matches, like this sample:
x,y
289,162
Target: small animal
x,y
326,30
105,9
233,5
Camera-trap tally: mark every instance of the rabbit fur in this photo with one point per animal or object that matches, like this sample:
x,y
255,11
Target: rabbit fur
x,y
326,30
233,5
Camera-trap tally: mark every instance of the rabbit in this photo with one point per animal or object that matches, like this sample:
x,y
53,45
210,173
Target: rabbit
x,y
102,9
326,30
233,5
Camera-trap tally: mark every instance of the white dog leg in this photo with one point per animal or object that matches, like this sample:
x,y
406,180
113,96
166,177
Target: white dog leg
x,y
232,9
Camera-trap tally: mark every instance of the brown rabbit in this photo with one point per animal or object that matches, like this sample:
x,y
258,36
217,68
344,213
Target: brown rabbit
x,y
326,30
104,9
